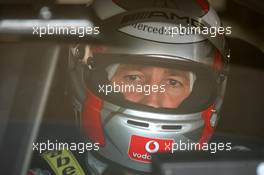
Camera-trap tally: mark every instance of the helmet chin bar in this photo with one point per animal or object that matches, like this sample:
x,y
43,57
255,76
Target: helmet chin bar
x,y
92,123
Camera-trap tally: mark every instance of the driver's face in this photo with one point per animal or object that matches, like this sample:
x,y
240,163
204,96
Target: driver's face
x,y
176,84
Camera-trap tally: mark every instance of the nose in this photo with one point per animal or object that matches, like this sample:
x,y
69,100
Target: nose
x,y
153,100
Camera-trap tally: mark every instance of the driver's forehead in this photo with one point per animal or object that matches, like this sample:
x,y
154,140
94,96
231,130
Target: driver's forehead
x,y
148,70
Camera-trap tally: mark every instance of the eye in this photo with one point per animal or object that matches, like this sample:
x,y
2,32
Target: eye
x,y
174,83
132,78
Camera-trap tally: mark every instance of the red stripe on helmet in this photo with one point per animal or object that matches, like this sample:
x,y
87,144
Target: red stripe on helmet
x,y
203,4
208,129
91,120
218,63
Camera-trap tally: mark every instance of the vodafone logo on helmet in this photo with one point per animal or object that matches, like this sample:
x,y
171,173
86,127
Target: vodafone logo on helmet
x,y
152,146
141,148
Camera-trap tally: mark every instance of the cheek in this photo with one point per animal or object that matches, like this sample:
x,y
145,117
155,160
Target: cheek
x,y
173,101
133,97
177,92
169,102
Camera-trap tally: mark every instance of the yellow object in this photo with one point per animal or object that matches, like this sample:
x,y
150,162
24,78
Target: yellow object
x,y
63,162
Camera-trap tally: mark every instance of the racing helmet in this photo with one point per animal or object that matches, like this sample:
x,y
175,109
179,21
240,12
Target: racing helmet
x,y
142,43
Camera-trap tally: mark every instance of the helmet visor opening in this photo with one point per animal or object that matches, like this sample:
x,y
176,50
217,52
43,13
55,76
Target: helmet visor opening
x,y
170,87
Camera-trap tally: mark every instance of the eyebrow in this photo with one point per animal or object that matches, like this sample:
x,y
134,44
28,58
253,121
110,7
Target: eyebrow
x,y
170,72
